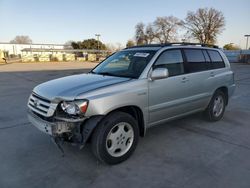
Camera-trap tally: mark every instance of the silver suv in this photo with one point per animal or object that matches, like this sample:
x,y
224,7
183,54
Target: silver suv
x,y
134,89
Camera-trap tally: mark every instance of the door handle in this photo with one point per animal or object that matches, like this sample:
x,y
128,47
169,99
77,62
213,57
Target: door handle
x,y
212,74
184,79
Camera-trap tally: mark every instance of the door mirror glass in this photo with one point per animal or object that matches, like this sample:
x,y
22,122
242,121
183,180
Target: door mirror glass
x,y
159,73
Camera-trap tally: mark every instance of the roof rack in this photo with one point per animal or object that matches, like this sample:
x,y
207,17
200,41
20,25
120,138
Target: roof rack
x,y
194,44
146,45
175,43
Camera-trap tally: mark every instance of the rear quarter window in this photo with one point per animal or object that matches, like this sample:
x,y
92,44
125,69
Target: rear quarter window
x,y
217,61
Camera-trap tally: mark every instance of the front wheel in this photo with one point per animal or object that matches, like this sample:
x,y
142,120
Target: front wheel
x,y
216,107
115,138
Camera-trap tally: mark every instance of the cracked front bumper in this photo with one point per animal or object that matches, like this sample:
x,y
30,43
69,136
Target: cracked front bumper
x,y
39,123
52,128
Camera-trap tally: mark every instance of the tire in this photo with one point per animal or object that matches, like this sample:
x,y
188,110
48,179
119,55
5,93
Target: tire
x,y
115,138
213,112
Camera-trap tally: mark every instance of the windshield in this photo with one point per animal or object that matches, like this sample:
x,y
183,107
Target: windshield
x,y
129,63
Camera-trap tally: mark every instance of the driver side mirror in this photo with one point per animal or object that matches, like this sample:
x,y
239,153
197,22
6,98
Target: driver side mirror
x,y
159,73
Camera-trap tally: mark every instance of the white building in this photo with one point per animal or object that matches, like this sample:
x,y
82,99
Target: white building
x,y
16,49
47,52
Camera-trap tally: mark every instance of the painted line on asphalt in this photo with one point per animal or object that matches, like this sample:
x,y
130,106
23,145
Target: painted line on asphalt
x,y
236,96
203,133
242,79
17,125
23,77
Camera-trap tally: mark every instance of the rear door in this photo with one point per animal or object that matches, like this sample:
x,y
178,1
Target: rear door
x,y
200,78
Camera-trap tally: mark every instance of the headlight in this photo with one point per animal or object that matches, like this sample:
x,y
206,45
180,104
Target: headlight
x,y
75,107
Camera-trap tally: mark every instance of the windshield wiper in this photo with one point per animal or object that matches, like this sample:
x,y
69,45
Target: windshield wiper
x,y
103,73
111,74
106,74
92,72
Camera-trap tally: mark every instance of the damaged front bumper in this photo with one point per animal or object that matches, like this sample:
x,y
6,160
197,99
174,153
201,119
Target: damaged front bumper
x,y
75,131
56,127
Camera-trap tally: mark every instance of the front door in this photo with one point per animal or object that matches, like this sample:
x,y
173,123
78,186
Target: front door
x,y
167,97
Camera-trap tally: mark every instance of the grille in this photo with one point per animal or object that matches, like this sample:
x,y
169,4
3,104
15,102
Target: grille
x,y
39,104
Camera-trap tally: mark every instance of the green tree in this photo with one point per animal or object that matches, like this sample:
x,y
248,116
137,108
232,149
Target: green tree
x,y
75,45
230,46
91,44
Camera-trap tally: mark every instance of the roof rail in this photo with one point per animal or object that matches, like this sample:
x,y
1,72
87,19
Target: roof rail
x,y
194,44
175,43
146,45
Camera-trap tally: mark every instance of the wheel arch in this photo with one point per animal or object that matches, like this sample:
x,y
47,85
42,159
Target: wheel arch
x,y
224,89
136,113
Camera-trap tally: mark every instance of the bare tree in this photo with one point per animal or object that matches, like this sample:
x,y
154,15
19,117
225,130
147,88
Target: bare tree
x,y
185,36
163,29
150,33
114,47
111,47
205,24
140,36
166,28
119,46
21,39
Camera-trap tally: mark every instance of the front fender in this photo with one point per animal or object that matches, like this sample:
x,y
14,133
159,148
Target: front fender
x,y
88,127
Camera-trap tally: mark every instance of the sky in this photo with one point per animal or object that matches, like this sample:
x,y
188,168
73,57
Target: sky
x,y
58,21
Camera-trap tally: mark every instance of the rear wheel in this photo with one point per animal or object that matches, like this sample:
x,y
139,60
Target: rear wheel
x,y
115,138
216,107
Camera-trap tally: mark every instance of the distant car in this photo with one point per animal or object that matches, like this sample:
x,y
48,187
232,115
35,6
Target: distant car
x,y
132,90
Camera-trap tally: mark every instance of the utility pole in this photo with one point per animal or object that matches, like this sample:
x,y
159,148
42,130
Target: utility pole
x,y
98,38
247,41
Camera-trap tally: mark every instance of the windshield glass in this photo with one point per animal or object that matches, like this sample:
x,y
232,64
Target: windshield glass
x,y
129,63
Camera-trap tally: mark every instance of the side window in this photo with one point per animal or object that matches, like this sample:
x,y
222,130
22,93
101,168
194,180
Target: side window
x,y
217,61
196,60
172,60
206,56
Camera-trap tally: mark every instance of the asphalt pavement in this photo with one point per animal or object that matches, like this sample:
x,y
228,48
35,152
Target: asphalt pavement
x,y
190,152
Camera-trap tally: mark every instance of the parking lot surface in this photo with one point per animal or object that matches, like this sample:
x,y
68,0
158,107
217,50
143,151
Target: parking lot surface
x,y
184,153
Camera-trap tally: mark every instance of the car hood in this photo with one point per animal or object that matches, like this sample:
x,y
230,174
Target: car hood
x,y
71,86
